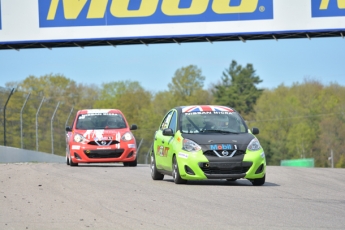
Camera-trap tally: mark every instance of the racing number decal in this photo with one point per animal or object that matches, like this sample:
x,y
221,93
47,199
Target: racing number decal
x,y
163,152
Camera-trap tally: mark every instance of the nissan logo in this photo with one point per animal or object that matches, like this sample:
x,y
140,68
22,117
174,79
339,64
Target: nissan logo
x,y
225,153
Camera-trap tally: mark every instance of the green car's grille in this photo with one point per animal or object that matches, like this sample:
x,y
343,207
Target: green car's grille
x,y
212,153
111,153
215,170
225,168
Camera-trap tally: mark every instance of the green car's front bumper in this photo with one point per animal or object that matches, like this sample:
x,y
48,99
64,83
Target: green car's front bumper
x,y
196,166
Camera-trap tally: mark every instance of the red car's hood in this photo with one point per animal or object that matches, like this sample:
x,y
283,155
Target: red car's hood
x,y
102,134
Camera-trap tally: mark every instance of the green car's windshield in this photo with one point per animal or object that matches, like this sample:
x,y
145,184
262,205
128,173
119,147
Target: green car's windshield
x,y
100,121
212,122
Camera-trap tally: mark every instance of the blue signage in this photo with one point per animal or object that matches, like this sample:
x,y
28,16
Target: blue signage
x,y
0,16
63,13
328,8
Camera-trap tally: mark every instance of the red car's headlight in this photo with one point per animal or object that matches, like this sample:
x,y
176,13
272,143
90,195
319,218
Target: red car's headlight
x,y
127,136
78,137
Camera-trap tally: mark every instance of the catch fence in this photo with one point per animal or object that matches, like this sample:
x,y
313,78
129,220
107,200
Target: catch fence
x,y
36,122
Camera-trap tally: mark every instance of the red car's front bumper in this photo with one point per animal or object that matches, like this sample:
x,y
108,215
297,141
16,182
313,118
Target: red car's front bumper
x,y
85,153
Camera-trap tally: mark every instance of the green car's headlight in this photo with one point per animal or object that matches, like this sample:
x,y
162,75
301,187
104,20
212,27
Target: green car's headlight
x,y
254,145
78,137
190,146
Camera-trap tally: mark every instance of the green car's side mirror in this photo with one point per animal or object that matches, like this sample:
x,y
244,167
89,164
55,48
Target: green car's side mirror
x,y
168,132
255,131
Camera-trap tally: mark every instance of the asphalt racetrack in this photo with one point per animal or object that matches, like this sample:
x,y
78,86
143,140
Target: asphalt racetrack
x,y
110,196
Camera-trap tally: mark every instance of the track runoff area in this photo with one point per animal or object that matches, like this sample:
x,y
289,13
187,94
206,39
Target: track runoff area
x,y
110,196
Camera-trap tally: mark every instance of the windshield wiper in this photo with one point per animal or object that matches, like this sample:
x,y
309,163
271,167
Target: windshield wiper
x,y
218,131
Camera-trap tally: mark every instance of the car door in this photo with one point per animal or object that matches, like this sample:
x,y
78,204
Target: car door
x,y
169,143
160,142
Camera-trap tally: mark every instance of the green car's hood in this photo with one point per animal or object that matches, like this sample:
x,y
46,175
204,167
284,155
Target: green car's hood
x,y
209,140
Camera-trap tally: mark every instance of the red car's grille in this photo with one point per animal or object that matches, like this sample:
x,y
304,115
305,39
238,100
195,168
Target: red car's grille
x,y
104,153
103,143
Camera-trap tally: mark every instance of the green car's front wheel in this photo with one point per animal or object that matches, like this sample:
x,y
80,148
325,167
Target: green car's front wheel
x,y
176,174
259,182
154,173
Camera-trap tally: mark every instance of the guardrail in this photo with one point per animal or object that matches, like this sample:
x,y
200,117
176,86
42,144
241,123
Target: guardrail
x,y
16,155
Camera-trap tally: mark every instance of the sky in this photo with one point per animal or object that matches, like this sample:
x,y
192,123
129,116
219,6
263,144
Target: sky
x,y
285,61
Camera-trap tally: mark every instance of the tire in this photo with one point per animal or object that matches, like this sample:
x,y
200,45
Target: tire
x,y
131,163
71,162
259,182
176,173
67,159
154,172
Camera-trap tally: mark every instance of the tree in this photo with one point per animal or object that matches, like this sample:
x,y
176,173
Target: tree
x,y
54,89
238,89
304,120
186,84
128,96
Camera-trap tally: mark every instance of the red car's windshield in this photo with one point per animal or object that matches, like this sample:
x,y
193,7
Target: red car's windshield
x,y
100,121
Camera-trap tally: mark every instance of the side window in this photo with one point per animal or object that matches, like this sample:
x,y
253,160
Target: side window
x,y
172,124
73,123
166,121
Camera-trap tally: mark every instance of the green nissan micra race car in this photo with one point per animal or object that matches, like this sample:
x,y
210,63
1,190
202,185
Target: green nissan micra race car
x,y
206,142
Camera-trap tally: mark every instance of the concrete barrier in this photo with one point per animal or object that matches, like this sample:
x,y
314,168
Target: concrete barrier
x,y
15,155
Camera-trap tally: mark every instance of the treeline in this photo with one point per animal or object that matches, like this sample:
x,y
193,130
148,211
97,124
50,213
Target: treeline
x,y
305,120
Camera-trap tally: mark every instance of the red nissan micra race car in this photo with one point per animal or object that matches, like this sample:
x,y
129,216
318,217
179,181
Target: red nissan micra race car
x,y
100,136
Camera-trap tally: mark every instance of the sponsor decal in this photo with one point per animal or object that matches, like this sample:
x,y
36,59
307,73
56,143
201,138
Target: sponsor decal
x,y
103,138
183,155
131,146
98,136
118,138
203,113
62,13
198,113
94,134
206,109
163,152
82,116
328,8
221,147
77,147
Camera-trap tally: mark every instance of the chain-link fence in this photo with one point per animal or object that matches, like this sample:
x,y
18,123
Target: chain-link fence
x,y
36,122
